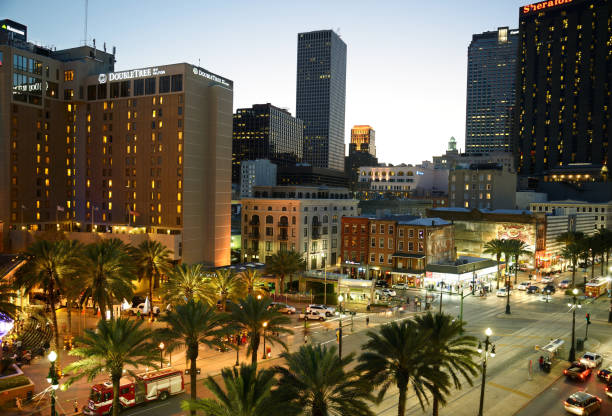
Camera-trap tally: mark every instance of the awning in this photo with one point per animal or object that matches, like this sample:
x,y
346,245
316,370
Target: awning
x,y
553,346
409,256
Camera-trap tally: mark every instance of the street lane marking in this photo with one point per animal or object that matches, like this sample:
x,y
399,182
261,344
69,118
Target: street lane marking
x,y
520,393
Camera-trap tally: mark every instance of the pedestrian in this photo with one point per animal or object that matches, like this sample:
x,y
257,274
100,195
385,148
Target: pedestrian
x,y
541,362
138,314
76,406
367,321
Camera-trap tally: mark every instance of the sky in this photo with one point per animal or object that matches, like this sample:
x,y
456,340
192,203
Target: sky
x,y
406,60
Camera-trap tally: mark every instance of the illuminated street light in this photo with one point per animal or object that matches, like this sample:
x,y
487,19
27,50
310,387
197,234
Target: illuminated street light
x,y
487,344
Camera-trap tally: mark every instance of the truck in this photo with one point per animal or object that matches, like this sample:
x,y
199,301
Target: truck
x,y
577,371
313,314
146,387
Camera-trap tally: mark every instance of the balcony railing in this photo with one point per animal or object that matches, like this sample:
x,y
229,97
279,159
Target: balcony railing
x,y
254,235
254,222
283,237
283,224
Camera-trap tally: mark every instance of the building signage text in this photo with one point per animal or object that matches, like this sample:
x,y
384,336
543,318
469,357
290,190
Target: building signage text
x,y
543,5
125,75
12,29
208,75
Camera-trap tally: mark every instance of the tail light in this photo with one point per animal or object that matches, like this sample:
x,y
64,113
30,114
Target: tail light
x,y
565,372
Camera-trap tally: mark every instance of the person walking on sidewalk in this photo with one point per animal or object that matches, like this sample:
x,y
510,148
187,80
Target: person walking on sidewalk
x,y
367,321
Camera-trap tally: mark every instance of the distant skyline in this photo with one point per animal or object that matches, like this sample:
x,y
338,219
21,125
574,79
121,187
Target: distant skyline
x,y
406,60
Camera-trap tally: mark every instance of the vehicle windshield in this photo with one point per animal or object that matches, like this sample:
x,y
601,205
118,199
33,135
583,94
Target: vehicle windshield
x,y
575,402
588,357
94,396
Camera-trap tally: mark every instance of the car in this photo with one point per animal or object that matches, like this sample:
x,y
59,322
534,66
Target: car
x,y
605,374
547,279
282,308
313,315
533,289
549,289
582,403
381,283
546,298
400,286
523,285
329,310
389,292
577,371
140,307
564,284
591,359
608,390
501,292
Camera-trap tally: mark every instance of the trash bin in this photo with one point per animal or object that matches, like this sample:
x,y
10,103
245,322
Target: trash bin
x,y
579,344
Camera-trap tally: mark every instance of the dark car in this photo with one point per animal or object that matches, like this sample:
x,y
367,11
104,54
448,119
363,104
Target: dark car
x,y
577,371
382,283
533,289
605,374
549,289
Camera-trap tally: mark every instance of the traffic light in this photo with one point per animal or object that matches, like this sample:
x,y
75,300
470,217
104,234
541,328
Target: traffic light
x,y
588,319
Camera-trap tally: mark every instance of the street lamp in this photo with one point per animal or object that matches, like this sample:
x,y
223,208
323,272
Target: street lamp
x,y
52,379
441,287
507,295
573,305
340,299
265,325
258,297
324,279
486,352
610,295
161,354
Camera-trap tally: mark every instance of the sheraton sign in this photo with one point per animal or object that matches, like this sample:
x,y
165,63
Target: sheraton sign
x,y
543,5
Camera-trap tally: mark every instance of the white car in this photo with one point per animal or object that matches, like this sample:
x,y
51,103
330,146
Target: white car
x,y
140,307
328,310
501,292
591,359
313,315
282,308
548,279
523,285
389,292
400,286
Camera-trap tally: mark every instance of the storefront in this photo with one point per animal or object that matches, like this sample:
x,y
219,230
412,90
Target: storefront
x,y
463,273
356,290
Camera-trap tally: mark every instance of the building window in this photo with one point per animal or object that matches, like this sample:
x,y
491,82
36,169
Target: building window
x,y
372,257
390,244
390,259
177,83
400,246
149,86
420,247
373,229
69,75
401,232
268,245
381,259
164,84
382,229
139,87
410,246
390,229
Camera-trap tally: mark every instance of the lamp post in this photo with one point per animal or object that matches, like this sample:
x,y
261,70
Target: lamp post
x,y
324,280
340,299
265,325
237,350
573,305
610,295
161,354
441,287
52,379
486,352
507,295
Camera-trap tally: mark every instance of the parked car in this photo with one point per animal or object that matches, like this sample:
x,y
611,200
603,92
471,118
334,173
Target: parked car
x,y
389,292
605,374
400,286
140,307
313,315
282,308
609,390
577,371
533,289
381,283
501,292
550,289
582,403
523,285
564,284
548,279
328,310
591,359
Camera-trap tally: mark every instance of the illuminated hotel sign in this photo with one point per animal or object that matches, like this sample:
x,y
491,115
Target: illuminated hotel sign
x,y
208,75
125,75
543,5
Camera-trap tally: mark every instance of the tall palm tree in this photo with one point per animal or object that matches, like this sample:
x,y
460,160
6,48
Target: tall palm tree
x,y
517,248
316,381
192,324
114,346
7,299
606,239
153,261
572,252
397,354
569,237
247,392
185,283
496,248
225,285
451,351
74,287
252,281
259,320
285,263
592,245
48,264
108,271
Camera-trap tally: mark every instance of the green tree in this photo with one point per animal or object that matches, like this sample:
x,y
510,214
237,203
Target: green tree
x,y
517,248
572,252
108,271
450,350
114,346
225,285
605,236
285,263
316,381
259,320
73,291
48,265
7,301
569,237
153,261
190,325
246,392
253,282
186,283
495,247
397,354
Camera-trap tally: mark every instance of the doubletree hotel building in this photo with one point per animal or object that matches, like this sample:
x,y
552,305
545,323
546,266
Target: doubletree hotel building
x,y
134,154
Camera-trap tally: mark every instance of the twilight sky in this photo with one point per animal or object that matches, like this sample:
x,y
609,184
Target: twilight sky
x,y
406,64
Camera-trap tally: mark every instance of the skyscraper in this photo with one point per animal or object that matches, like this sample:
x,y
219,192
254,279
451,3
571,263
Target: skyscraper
x,y
563,127
490,90
266,132
363,139
321,96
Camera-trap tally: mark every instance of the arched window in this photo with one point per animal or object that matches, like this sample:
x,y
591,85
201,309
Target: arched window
x,y
269,219
325,219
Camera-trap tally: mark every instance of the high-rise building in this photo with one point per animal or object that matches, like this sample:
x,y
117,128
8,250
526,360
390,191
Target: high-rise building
x,y
562,129
490,91
321,96
363,139
486,185
134,154
259,172
266,132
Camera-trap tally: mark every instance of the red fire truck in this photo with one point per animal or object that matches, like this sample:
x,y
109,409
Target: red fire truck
x,y
154,385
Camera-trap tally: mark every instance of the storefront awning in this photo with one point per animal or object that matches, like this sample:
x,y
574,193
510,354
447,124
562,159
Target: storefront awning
x,y
409,256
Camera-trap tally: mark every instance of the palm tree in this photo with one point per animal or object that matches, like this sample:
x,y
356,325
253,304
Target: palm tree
x,y
593,246
185,283
114,346
517,248
7,305
48,264
316,381
572,252
606,239
259,320
190,325
569,237
496,248
247,392
225,285
252,282
73,290
153,261
108,271
285,263
451,351
397,354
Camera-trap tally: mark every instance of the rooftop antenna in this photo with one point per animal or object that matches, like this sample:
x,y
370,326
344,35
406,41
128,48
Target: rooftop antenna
x,y
199,62
338,31
85,29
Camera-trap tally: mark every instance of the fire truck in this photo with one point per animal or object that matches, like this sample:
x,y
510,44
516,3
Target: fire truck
x,y
147,387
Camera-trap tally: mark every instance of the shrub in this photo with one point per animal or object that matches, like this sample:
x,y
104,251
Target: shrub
x,y
12,382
